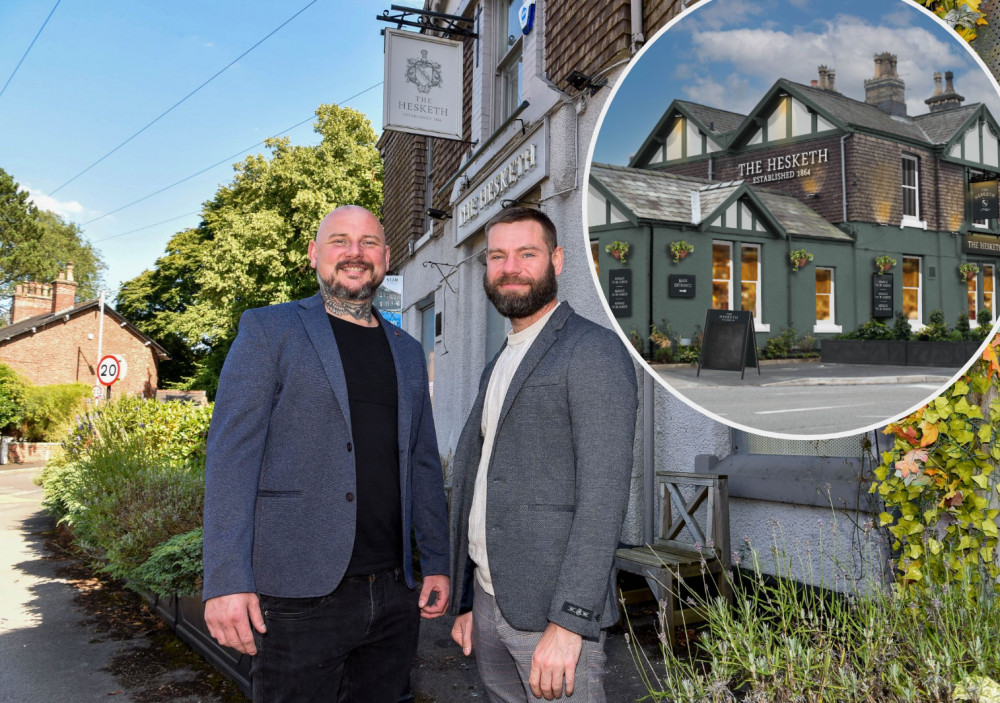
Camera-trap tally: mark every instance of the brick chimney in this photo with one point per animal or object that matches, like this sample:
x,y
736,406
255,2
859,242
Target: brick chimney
x,y
827,79
947,98
886,90
31,299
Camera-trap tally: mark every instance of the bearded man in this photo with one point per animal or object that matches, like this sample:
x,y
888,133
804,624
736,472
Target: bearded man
x,y
541,481
322,459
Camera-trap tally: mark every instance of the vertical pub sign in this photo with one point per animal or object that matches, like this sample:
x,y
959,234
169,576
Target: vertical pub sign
x,y
620,292
984,200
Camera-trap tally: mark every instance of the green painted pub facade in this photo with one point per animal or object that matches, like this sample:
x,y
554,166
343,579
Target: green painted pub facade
x,y
808,169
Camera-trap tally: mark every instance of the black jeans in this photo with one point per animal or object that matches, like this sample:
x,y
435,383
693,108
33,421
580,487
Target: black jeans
x,y
355,644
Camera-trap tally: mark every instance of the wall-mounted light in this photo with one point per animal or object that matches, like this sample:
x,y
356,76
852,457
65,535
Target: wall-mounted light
x,y
812,195
581,81
438,214
514,202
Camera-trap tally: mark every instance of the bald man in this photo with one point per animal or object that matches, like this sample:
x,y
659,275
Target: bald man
x,y
322,459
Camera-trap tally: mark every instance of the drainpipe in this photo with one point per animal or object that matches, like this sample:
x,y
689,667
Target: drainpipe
x,y
788,278
843,176
649,322
637,37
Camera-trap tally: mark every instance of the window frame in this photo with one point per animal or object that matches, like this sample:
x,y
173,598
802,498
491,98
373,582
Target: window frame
x,y
730,283
918,322
758,314
914,219
828,326
506,59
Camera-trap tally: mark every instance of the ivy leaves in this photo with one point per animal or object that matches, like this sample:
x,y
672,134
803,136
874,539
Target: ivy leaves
x,y
962,15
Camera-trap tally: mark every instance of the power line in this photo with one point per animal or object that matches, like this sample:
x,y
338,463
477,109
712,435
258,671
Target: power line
x,y
182,100
29,48
139,229
228,159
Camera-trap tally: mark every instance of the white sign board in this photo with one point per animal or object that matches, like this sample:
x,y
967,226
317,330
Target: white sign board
x,y
423,85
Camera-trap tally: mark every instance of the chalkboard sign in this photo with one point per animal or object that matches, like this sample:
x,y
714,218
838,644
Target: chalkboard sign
x,y
620,292
882,302
728,343
680,286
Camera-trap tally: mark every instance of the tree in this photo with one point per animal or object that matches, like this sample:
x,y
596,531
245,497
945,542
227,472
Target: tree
x,y
11,397
250,249
36,244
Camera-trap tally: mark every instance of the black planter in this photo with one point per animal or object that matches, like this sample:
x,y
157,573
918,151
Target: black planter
x,y
897,353
191,628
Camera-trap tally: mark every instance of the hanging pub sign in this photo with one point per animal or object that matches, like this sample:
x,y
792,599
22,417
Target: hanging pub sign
x,y
728,342
882,300
423,85
984,200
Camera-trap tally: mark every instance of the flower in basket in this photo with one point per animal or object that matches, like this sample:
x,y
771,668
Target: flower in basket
x,y
968,271
799,258
618,250
884,263
680,249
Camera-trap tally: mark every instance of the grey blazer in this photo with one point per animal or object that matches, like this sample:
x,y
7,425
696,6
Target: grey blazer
x,y
280,476
558,480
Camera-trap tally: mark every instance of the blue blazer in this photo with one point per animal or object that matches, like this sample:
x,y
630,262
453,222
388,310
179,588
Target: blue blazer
x,y
280,477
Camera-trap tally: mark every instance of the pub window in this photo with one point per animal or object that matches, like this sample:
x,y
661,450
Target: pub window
x,y
825,301
428,333
912,284
989,288
750,280
911,191
595,248
972,291
509,64
722,276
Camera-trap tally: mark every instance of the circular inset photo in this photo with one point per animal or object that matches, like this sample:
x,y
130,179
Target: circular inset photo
x,y
793,210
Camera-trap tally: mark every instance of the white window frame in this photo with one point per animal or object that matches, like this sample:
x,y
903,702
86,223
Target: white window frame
x,y
758,316
506,59
730,281
974,281
829,326
989,273
911,220
918,323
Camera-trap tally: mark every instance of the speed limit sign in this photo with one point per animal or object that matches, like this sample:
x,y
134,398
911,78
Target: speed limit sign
x,y
108,370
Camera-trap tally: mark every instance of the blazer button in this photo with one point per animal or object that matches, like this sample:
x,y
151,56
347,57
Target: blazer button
x,y
350,447
350,497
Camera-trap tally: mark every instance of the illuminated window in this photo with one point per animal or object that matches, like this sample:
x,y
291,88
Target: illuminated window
x,y
595,248
989,288
750,280
972,290
911,291
722,276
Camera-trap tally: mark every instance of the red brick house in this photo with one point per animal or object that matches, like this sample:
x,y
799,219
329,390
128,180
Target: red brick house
x,y
53,339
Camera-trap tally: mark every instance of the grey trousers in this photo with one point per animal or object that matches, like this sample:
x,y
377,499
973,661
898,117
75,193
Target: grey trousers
x,y
503,657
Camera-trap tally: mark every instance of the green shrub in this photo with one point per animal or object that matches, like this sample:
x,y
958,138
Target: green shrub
x,y
874,329
132,479
962,328
11,397
173,567
780,346
902,330
663,355
985,325
49,410
935,330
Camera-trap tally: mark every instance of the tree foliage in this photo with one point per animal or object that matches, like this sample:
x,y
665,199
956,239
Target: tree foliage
x,y
11,397
36,244
250,248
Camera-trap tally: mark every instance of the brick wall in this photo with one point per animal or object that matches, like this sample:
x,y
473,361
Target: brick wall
x,y
62,353
658,13
404,156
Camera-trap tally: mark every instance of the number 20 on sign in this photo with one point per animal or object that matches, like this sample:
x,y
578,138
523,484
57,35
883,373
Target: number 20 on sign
x,y
108,370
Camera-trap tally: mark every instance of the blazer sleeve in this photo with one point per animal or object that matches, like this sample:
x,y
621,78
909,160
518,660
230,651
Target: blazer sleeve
x,y
235,452
430,515
602,398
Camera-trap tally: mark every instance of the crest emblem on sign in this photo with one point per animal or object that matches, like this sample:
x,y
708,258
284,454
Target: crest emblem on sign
x,y
423,73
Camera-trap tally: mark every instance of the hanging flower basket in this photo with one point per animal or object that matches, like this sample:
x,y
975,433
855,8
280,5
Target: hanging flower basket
x,y
799,258
883,264
680,249
968,271
618,250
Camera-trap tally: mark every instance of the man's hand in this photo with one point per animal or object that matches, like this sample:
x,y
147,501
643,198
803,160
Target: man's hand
x,y
434,596
555,657
229,619
461,632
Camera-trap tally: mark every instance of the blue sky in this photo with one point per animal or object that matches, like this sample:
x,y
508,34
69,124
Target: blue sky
x,y
100,71
727,53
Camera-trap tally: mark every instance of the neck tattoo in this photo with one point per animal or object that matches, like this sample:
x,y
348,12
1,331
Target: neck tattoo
x,y
359,310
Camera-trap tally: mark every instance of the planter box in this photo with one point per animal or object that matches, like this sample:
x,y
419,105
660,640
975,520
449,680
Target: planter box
x,y
897,353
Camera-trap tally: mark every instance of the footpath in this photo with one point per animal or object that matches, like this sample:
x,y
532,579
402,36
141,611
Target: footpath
x,y
52,650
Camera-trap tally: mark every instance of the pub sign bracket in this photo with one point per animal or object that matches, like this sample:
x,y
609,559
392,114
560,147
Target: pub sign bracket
x,y
429,20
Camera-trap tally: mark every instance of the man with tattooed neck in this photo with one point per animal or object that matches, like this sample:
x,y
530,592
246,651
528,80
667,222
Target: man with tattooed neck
x,y
322,459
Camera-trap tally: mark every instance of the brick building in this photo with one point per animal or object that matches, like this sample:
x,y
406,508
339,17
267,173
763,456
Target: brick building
x,y
809,168
53,339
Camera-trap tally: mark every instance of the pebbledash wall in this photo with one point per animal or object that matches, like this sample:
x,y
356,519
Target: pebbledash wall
x,y
808,168
534,154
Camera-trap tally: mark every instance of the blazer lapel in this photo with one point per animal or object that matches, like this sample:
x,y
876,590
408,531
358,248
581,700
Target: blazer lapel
x,y
403,377
545,339
313,314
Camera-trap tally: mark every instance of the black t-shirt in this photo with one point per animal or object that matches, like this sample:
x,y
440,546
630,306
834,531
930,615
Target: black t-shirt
x,y
372,394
